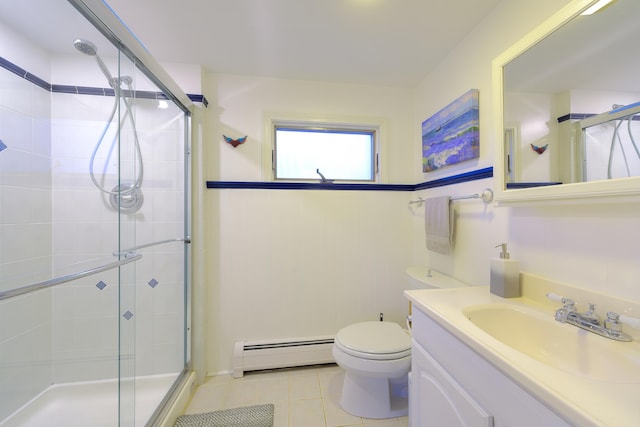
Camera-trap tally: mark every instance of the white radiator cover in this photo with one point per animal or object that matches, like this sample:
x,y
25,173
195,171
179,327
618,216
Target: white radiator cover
x,y
281,353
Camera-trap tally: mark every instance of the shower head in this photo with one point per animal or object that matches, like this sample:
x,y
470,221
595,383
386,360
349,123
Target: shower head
x,y
86,47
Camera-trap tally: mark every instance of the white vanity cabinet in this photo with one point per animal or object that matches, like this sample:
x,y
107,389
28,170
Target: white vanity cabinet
x,y
451,385
440,400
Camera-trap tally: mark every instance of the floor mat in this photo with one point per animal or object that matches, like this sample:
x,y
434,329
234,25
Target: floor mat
x,y
249,416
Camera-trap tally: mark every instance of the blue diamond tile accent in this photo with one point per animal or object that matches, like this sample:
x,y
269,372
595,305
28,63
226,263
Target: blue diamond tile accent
x,y
101,285
128,315
153,283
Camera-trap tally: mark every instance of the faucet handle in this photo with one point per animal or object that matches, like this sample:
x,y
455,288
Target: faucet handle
x,y
634,322
613,322
554,297
567,302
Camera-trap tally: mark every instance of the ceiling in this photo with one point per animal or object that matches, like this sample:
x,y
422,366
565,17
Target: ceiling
x,y
377,42
381,42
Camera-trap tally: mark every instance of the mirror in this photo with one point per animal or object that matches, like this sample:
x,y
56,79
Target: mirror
x,y
567,100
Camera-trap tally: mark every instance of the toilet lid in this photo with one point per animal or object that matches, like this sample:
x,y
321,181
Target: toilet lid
x,y
376,340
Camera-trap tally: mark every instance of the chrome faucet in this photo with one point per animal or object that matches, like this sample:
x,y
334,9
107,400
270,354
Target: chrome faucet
x,y
590,315
590,320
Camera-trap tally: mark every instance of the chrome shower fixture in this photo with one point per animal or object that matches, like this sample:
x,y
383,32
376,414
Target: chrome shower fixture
x,y
90,49
125,198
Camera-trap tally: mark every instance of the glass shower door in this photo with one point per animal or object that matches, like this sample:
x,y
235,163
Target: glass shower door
x,y
153,208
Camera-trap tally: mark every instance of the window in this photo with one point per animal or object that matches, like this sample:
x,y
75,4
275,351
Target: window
x,y
337,152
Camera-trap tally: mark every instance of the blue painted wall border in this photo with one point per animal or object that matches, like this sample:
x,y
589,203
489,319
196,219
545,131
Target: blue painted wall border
x,y
450,180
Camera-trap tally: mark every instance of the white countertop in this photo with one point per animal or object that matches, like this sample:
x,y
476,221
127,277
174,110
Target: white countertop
x,y
580,400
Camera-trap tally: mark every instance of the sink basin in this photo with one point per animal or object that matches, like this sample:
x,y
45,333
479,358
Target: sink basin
x,y
536,334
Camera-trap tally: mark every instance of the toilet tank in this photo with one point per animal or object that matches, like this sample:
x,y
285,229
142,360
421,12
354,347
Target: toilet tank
x,y
428,278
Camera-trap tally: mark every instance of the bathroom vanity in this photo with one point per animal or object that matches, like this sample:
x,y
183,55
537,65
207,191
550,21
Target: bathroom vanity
x,y
481,360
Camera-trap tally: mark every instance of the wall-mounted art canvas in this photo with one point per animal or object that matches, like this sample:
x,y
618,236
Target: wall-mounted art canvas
x,y
452,135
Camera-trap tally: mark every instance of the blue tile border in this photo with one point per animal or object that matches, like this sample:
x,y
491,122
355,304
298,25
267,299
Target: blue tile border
x,y
573,116
457,179
64,89
83,90
454,179
580,116
514,185
10,66
307,186
87,90
37,81
198,98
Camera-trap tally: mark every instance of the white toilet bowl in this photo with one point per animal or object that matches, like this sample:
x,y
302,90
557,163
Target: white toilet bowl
x,y
376,357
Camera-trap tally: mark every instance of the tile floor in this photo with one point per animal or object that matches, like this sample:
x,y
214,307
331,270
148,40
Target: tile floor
x,y
303,397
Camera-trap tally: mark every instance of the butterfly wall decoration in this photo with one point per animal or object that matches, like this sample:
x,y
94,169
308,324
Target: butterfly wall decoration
x,y
235,142
538,149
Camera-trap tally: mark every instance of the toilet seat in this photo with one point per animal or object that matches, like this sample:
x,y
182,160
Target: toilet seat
x,y
374,340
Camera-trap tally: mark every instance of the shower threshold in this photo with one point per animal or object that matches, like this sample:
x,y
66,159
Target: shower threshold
x,y
93,403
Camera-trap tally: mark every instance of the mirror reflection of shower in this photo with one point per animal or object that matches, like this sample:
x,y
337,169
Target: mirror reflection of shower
x,y
617,139
609,143
125,197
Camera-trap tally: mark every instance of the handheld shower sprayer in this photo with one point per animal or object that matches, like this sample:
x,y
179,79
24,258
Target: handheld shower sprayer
x,y
90,49
126,198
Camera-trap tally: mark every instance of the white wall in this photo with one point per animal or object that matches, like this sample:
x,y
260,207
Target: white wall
x,y
591,246
531,116
300,263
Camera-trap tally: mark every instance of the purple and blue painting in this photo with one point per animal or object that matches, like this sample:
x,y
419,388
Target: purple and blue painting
x,y
452,135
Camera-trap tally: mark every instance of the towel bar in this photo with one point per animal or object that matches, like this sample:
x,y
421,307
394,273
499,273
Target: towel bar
x,y
486,196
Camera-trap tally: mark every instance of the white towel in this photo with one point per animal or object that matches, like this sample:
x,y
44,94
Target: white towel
x,y
438,224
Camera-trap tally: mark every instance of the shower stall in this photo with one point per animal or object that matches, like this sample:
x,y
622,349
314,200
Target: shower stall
x,y
94,221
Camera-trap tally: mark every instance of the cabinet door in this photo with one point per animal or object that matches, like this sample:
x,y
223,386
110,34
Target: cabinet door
x,y
436,399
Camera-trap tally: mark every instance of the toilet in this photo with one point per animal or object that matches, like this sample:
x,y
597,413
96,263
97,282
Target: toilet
x,y
376,358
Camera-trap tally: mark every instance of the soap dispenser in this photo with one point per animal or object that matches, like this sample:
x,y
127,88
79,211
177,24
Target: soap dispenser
x,y
505,275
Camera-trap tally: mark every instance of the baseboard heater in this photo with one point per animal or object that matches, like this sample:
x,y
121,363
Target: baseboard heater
x,y
285,353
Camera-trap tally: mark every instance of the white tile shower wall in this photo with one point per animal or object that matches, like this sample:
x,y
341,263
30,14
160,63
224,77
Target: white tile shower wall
x,y
25,226
85,329
87,227
25,349
160,316
19,50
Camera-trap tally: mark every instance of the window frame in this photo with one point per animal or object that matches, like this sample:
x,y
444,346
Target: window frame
x,y
323,123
